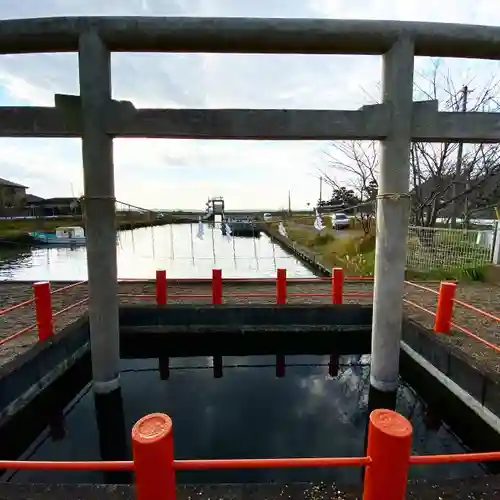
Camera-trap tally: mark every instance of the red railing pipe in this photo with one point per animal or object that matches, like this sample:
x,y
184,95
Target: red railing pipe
x,y
269,463
216,286
444,311
153,452
161,287
9,309
281,287
43,310
387,461
337,285
389,448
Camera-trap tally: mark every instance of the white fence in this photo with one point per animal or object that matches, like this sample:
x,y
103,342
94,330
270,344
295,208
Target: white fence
x,y
441,248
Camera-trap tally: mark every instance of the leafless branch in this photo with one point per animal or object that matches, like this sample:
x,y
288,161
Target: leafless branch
x,y
435,185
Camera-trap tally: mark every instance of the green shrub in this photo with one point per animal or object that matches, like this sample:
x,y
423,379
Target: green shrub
x,y
323,238
477,273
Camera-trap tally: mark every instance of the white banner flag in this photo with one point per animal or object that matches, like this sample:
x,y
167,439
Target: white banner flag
x,y
318,224
201,229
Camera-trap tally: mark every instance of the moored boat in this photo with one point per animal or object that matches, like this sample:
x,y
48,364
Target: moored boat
x,y
70,235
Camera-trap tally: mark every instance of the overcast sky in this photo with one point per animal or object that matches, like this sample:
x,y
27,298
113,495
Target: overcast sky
x,y
182,174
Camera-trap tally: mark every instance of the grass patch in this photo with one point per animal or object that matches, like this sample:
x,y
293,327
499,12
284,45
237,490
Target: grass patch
x,y
477,273
355,253
19,227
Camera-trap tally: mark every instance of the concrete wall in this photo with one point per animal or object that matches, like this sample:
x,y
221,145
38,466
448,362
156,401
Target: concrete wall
x,y
307,316
183,330
33,390
482,386
31,372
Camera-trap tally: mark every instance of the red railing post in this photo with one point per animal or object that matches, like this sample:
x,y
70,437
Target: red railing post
x,y
43,310
281,287
161,287
444,311
389,448
216,286
153,452
337,285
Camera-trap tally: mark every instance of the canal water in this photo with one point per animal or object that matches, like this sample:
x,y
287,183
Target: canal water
x,y
249,412
175,248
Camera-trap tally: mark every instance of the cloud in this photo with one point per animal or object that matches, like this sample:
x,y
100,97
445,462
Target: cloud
x,y
182,173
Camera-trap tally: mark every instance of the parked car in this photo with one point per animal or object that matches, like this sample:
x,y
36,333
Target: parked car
x,y
340,220
268,217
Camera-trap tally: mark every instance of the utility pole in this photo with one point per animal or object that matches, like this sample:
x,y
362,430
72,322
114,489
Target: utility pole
x,y
289,202
458,169
321,189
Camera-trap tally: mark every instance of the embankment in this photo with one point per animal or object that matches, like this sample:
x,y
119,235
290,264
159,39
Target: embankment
x,y
309,259
15,233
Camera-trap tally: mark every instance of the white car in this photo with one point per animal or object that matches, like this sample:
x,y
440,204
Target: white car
x,y
340,220
268,217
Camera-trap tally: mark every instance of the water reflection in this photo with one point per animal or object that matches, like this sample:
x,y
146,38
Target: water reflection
x,y
250,411
174,248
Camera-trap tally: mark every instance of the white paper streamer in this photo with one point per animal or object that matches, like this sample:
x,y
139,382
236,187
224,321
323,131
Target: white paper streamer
x,y
318,223
201,229
282,230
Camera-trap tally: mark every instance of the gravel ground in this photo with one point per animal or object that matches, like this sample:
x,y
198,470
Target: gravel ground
x,y
456,489
479,295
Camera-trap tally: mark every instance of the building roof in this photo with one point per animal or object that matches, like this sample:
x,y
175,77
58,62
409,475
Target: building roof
x,y
5,182
56,201
30,198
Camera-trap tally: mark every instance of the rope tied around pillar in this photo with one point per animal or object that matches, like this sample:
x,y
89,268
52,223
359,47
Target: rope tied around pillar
x,y
84,198
394,196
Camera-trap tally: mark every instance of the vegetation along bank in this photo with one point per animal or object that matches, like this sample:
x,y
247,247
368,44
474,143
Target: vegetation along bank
x,y
353,249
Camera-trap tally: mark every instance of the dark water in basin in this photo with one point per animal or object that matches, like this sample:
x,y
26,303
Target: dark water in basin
x,y
249,413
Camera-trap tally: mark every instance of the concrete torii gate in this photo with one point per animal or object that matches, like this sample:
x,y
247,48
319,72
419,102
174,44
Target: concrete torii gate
x,y
97,119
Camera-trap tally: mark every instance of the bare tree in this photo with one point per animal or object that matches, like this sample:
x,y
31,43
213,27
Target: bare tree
x,y
446,180
356,164
450,180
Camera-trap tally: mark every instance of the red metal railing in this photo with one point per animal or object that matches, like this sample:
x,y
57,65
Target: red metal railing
x,y
387,459
443,322
443,315
281,293
44,315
